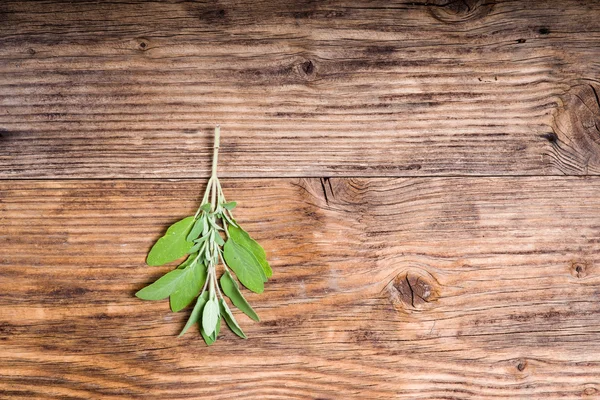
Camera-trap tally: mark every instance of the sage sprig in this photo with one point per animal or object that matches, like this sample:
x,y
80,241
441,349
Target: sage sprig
x,y
210,238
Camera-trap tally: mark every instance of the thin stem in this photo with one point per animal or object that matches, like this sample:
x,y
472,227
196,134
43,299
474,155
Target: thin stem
x,y
205,282
205,197
216,150
213,201
225,227
225,265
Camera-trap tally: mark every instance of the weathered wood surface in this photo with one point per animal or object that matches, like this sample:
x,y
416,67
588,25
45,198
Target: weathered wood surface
x,y
302,88
416,288
470,269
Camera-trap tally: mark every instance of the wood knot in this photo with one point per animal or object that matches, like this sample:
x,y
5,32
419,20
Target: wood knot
x,y
31,51
576,143
308,67
307,70
590,391
544,31
458,11
521,365
579,269
413,290
143,44
550,136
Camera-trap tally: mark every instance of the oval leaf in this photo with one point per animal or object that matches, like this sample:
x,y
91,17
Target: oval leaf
x,y
210,315
229,206
232,290
212,338
163,287
196,312
230,320
172,245
245,265
189,286
242,237
196,230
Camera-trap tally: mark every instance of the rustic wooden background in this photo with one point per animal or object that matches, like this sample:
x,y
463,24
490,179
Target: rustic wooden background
x,y
424,176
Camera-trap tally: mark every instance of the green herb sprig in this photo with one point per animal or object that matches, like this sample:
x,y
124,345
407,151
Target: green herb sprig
x,y
210,238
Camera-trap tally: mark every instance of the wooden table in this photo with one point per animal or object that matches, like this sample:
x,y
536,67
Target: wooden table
x,y
424,177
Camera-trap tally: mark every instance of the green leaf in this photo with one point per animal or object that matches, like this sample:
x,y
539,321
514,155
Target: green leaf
x,y
198,247
229,206
241,237
219,240
229,220
232,290
196,312
205,207
210,315
245,265
212,338
163,287
189,286
188,260
212,223
201,240
172,245
230,319
196,230
204,226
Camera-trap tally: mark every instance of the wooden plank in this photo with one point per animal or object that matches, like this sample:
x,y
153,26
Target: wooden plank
x,y
303,88
436,288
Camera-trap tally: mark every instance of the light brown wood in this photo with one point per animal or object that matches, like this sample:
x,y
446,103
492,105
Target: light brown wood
x,y
417,288
401,162
301,88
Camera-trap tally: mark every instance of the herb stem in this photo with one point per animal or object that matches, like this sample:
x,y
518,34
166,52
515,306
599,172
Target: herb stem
x,y
225,265
216,150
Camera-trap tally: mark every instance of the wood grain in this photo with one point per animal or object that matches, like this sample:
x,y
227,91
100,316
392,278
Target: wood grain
x,y
302,89
416,288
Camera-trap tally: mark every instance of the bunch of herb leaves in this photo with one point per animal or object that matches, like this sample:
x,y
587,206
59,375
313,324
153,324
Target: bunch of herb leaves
x,y
210,238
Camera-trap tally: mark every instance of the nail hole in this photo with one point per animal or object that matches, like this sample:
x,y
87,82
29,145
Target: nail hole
x,y
544,31
521,41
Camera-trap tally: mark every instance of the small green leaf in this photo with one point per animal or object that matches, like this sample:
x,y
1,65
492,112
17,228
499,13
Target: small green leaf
x,y
229,220
205,207
245,265
212,338
163,287
212,223
189,286
188,260
230,319
229,206
204,226
196,312
201,239
232,290
196,230
210,315
219,240
172,245
198,247
243,239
